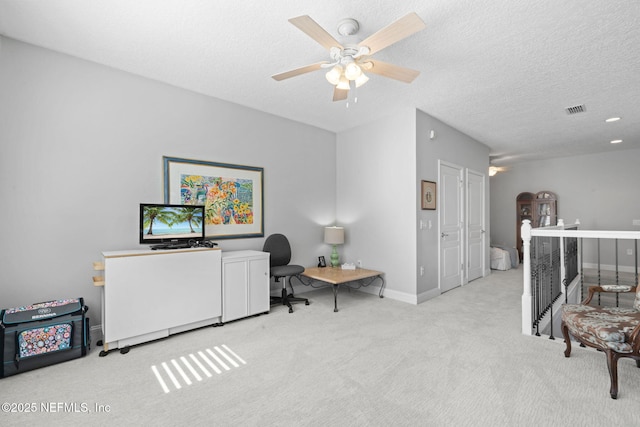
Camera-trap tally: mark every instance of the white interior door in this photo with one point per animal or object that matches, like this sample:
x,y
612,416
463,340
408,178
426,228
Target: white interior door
x,y
450,226
475,224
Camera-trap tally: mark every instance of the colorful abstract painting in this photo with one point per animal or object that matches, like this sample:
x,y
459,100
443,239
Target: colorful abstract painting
x,y
226,200
231,195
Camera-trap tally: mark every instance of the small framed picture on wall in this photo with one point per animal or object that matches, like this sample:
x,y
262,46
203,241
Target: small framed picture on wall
x,y
428,195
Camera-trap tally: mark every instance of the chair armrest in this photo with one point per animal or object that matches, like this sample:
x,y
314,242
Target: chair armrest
x,y
634,339
607,289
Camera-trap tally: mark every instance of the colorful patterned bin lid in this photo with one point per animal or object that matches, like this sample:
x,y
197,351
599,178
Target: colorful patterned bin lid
x,y
48,339
41,310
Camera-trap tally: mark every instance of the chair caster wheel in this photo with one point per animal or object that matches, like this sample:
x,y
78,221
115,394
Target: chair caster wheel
x,y
306,303
103,353
290,310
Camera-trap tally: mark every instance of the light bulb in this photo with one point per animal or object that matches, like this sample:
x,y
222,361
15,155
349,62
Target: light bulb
x,y
333,75
343,84
352,71
361,80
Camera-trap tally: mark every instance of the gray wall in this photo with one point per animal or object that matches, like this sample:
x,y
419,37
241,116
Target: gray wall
x,y
599,189
380,167
452,146
376,199
81,146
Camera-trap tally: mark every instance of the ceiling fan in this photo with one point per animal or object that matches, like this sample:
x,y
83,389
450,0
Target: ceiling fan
x,y
349,62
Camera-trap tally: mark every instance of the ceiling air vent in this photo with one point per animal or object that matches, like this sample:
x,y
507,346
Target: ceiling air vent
x,y
576,109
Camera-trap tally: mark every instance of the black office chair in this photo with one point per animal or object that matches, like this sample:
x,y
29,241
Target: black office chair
x,y
278,246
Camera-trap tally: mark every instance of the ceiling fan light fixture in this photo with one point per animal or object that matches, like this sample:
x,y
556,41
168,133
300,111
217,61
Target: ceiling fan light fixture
x,y
361,80
343,84
352,57
352,71
334,74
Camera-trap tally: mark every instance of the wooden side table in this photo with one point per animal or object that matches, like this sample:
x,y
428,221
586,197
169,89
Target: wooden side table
x,y
336,276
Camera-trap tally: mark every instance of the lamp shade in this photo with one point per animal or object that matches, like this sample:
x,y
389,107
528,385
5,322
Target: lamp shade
x,y
333,76
334,235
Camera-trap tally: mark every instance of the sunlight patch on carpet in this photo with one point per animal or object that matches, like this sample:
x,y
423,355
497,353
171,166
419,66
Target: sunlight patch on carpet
x,y
196,366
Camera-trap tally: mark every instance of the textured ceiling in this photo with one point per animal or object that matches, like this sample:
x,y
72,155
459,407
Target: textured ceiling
x,y
501,71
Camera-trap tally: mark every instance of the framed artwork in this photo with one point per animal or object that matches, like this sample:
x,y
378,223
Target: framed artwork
x,y
231,194
428,195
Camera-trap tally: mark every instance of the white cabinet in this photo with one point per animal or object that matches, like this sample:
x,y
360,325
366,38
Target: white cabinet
x,y
245,284
148,294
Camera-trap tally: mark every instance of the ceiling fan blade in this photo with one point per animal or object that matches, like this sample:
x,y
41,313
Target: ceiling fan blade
x,y
315,31
302,70
385,69
340,94
394,32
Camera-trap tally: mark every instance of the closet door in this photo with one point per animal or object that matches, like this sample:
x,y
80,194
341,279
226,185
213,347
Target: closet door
x,y
475,225
450,226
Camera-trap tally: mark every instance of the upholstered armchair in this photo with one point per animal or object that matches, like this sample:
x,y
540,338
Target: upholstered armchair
x,y
613,330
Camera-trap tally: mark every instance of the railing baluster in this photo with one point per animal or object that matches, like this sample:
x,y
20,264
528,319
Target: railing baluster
x,y
581,270
635,252
617,276
598,270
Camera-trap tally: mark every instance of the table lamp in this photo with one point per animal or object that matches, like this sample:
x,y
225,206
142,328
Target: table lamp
x,y
334,236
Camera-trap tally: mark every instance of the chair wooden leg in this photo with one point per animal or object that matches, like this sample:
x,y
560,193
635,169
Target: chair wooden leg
x,y
612,364
567,339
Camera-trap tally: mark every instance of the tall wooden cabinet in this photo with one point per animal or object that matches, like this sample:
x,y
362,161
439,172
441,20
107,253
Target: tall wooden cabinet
x,y
540,208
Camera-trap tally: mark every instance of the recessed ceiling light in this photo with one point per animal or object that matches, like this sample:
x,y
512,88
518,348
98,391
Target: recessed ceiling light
x,y
616,141
612,119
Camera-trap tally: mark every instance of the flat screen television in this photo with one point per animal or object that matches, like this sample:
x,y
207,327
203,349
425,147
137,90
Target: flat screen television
x,y
165,225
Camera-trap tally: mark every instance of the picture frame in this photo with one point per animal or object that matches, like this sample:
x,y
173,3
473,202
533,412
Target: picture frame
x,y
232,195
322,262
428,195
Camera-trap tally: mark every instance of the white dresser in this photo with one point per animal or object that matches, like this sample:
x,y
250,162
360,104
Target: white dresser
x,y
147,294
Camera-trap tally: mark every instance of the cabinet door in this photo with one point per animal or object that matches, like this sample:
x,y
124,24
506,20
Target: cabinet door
x,y
259,301
234,290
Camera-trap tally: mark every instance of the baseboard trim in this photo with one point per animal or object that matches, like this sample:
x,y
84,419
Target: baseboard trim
x,y
374,289
391,294
430,294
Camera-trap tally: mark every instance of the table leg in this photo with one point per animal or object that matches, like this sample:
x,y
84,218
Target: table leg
x,y
335,298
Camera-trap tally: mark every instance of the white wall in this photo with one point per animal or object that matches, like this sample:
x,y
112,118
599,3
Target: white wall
x,y
376,199
81,146
599,189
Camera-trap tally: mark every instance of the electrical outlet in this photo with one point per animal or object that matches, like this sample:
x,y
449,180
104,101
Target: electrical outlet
x,y
629,251
421,270
635,222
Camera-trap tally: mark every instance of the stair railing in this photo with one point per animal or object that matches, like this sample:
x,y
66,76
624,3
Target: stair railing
x,y
553,268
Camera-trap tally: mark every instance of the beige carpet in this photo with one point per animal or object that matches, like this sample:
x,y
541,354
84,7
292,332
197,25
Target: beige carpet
x,y
457,360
